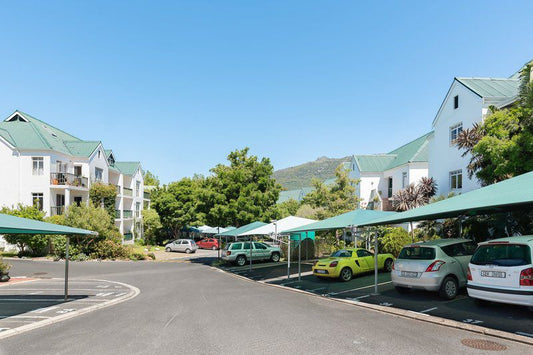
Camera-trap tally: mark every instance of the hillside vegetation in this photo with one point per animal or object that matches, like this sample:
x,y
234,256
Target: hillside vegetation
x,y
300,176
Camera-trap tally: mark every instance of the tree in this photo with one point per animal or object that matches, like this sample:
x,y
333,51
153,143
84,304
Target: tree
x,y
150,179
105,196
502,146
152,225
37,243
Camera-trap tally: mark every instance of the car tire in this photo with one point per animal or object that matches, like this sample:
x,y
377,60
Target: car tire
x,y
241,260
214,248
387,267
402,290
188,251
275,257
168,250
449,288
346,274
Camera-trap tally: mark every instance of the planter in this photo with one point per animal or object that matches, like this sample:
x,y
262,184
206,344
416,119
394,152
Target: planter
x,y
4,277
55,182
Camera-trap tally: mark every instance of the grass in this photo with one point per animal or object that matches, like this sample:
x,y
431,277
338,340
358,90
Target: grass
x,y
8,253
141,248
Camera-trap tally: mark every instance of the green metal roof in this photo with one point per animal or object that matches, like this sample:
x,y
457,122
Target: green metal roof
x,y
83,148
492,87
243,229
297,194
512,193
17,225
127,167
414,151
348,219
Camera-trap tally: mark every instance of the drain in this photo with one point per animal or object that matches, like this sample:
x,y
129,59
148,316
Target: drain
x,y
482,344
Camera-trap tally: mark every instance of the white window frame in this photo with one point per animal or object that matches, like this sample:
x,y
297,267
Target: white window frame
x,y
38,166
454,132
404,180
456,179
37,196
96,171
137,188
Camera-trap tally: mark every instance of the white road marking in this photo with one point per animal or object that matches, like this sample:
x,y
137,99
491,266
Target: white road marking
x,y
104,294
285,276
4,329
102,286
66,310
37,317
472,321
526,334
358,298
428,310
120,294
35,293
386,304
316,289
359,288
43,310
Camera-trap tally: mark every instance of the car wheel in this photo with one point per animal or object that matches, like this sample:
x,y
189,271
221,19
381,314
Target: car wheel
x,y
214,247
188,251
449,288
388,265
167,250
346,274
241,260
401,289
275,257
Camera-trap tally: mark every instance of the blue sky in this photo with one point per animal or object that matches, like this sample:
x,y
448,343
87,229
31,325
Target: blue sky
x,y
180,84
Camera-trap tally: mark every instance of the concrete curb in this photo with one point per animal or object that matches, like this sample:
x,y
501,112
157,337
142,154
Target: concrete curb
x,y
404,313
28,327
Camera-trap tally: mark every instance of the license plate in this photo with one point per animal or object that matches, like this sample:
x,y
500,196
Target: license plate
x,y
320,271
498,274
409,274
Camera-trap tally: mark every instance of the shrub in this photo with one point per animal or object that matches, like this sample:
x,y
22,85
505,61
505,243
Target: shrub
x,y
109,249
4,267
392,240
151,256
137,256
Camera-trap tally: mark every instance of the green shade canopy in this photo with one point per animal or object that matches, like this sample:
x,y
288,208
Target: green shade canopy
x,y
513,193
352,218
17,225
235,232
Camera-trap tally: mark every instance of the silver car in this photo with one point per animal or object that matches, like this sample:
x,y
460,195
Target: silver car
x,y
437,265
185,245
240,252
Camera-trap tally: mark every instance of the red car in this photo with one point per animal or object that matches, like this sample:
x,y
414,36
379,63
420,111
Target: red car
x,y
208,243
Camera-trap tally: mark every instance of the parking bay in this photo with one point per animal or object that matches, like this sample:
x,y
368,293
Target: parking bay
x,y
509,318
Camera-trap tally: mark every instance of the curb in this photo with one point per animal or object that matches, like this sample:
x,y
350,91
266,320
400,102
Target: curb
x,y
28,327
404,313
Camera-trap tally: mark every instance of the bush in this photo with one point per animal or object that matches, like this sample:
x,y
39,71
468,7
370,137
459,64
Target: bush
x,y
137,256
109,249
392,240
151,256
4,267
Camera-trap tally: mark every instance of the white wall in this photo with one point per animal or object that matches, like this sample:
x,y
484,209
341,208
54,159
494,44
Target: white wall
x,y
444,157
9,176
98,161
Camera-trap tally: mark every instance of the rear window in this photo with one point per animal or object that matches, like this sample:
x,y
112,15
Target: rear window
x,y
502,255
417,253
236,246
459,249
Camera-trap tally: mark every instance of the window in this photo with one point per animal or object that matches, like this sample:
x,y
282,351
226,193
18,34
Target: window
x,y
37,198
246,245
456,179
363,253
138,209
404,180
99,154
77,170
259,246
459,249
98,174
137,188
389,192
417,253
38,166
454,132
236,246
456,102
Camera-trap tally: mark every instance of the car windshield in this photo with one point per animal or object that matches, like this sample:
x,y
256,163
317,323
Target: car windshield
x,y
502,255
341,254
417,253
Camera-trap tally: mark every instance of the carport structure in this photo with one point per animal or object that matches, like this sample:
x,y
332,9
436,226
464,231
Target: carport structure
x,y
508,195
17,225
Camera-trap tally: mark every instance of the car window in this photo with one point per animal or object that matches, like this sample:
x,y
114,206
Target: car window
x,y
417,253
246,245
342,254
236,246
259,246
363,253
502,255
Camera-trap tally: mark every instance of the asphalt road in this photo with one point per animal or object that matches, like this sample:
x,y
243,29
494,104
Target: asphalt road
x,y
190,308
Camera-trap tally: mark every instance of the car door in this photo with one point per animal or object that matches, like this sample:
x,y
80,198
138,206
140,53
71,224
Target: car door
x,y
175,246
261,251
366,259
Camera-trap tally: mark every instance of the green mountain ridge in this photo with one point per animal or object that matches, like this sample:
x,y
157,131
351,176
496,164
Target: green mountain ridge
x,y
299,176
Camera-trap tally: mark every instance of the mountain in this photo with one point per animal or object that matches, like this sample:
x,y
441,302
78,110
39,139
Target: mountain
x,y
300,176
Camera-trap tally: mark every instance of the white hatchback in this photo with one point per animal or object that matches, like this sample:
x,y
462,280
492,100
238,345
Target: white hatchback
x,y
501,271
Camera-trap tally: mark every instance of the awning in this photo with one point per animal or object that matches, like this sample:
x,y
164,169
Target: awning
x,y
510,194
17,225
278,226
345,220
214,230
235,232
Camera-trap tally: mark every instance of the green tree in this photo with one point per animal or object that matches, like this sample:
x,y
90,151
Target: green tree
x,y
105,196
150,179
392,240
152,225
37,243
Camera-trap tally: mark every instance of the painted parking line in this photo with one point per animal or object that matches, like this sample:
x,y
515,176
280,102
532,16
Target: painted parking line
x,y
428,310
316,289
358,298
357,289
307,273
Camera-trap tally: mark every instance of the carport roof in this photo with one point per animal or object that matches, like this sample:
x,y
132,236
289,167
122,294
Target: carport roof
x,y
245,228
352,218
516,192
17,225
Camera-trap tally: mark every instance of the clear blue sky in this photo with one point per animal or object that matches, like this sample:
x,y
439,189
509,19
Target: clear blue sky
x,y
179,84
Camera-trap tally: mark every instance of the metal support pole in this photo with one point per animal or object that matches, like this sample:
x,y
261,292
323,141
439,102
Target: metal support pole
x,y
219,245
251,253
289,258
300,257
376,263
66,268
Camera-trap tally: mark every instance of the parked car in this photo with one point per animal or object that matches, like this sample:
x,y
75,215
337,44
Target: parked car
x,y
208,243
436,265
186,245
348,262
239,252
501,271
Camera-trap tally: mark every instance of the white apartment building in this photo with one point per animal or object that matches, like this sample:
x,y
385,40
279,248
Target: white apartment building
x,y
382,175
467,101
42,165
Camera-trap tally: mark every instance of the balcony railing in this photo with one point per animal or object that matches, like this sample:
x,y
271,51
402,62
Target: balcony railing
x,y
127,191
117,188
117,214
57,210
68,179
127,214
146,195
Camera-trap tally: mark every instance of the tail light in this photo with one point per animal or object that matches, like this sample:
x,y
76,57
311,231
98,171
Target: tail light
x,y
392,267
526,277
333,264
468,274
228,253
435,266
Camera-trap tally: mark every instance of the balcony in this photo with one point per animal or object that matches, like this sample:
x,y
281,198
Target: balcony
x,y
127,214
117,188
146,195
68,179
57,210
127,192
117,214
